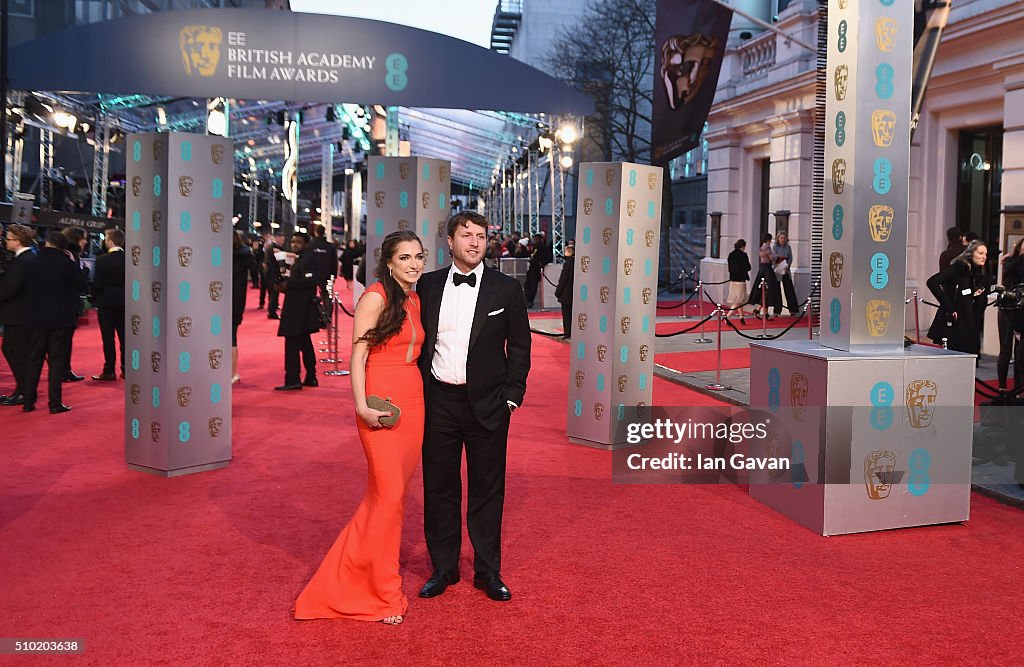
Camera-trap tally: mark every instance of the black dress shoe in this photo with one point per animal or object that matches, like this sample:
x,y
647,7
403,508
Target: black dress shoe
x,y
14,399
105,377
272,316
493,586
310,382
73,377
288,387
439,581
56,410
28,407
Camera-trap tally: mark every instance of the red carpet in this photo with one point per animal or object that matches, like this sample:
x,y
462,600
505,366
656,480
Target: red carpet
x,y
204,569
704,360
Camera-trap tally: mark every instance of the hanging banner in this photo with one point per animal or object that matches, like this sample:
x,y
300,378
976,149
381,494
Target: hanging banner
x,y
689,47
930,19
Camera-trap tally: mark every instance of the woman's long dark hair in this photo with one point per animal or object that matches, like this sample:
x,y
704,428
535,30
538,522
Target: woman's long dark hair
x,y
967,256
393,315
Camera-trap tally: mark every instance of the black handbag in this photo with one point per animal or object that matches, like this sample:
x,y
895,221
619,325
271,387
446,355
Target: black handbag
x,y
321,313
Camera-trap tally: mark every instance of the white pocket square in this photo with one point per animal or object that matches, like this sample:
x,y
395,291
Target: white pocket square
x,y
496,312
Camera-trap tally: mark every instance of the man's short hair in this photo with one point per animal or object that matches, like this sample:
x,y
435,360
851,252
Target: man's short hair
x,y
464,219
317,230
954,234
116,237
23,233
302,235
74,234
58,240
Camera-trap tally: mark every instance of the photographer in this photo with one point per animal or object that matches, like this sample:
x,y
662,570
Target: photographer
x,y
1011,319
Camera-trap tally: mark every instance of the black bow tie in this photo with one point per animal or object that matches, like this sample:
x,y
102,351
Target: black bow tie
x,y
458,279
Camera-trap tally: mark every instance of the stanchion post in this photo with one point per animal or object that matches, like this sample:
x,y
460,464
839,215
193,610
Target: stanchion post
x,y
764,313
917,317
700,305
335,303
717,384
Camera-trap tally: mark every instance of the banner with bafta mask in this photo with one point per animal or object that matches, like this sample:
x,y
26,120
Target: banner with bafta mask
x,y
178,306
611,367
690,41
930,19
410,193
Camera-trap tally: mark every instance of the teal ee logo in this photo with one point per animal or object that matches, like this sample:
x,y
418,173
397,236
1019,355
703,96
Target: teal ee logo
x,y
919,464
881,396
774,382
396,78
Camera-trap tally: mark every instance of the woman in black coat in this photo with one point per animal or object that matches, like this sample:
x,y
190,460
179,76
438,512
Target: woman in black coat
x,y
242,262
772,296
1011,321
563,291
961,290
739,274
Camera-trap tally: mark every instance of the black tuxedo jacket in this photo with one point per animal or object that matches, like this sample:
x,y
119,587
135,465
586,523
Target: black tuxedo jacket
x,y
299,315
14,298
55,282
499,344
108,281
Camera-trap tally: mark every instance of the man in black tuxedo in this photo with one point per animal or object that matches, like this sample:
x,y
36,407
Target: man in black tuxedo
x,y
299,316
475,359
108,297
14,307
55,284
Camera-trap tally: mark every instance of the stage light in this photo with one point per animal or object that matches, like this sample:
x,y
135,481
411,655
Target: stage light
x,y
161,116
65,120
566,162
568,133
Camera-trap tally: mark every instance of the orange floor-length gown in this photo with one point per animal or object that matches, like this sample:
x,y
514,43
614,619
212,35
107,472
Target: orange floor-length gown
x,y
359,577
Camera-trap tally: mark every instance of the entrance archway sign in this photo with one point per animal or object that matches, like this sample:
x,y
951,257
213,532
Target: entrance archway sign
x,y
260,54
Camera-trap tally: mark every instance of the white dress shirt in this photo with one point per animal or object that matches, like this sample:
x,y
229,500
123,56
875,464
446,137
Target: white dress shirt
x,y
454,325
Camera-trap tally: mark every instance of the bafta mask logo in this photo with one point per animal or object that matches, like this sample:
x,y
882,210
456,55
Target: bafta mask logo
x,y
134,392
216,290
883,127
378,198
602,353
425,199
216,357
652,181
644,351
442,173
880,218
627,266
585,263
878,313
214,425
216,222
835,269
885,33
604,293
879,473
136,324
158,219
376,254
185,185
136,254
773,450
588,206
606,235
136,185
843,4
598,411
403,170
156,288
921,395
216,153
838,176
200,48
184,256
581,321
158,149
645,294
184,395
154,360
609,177
624,324
630,207
580,376
649,238
685,60
623,382
184,326
798,395
641,409
441,229
403,225
154,431
841,78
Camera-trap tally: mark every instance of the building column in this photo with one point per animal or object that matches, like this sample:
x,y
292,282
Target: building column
x,y
724,160
792,176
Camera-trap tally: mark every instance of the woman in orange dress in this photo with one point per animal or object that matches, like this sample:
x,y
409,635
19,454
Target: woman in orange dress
x,y
359,577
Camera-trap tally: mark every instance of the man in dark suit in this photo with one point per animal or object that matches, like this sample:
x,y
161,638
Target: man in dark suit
x,y
475,359
55,284
108,297
327,261
14,307
299,316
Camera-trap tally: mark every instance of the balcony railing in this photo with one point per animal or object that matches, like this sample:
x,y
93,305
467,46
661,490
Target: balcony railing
x,y
757,55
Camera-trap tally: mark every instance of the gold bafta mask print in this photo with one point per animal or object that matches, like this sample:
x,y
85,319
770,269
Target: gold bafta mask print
x,y
878,313
879,473
184,326
158,218
641,409
630,207
154,361
627,266
442,173
136,254
585,263
685,61
773,450
158,149
652,181
835,269
885,33
184,395
623,382
216,290
604,293
185,185
200,48
798,386
136,185
216,222
134,391
602,353
425,199
609,177
378,198
649,238
215,356
588,206
843,4
376,254
598,411
214,425
580,376
136,324
883,127
880,217
841,79
921,395
184,256
441,229
403,170
154,431
838,176
606,235
624,324
216,153
645,294
156,288
403,225
644,351
581,321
